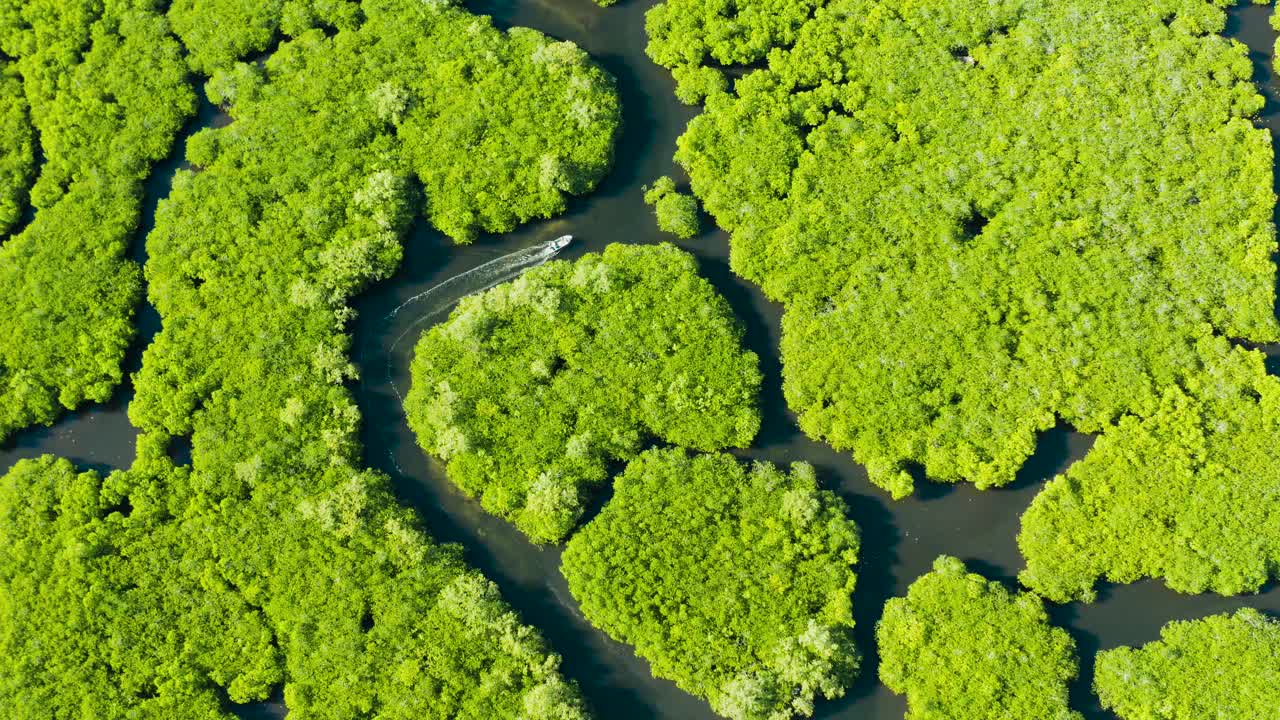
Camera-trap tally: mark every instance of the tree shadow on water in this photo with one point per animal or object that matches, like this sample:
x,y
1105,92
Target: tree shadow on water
x,y
876,584
761,331
1052,456
992,572
273,708
1054,453
1080,692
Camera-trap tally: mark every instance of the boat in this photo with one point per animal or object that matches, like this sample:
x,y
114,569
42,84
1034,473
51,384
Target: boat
x,y
560,243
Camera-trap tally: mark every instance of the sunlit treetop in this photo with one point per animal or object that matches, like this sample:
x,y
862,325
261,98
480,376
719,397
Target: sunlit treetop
x,y
675,211
127,597
99,618
734,581
961,647
1187,494
1224,666
720,33
530,390
499,127
984,219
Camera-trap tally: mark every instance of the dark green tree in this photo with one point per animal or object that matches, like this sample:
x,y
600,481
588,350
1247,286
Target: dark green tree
x,y
17,150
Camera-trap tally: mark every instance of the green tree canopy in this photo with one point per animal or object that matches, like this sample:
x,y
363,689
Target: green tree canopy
x,y
686,34
17,149
121,598
217,33
963,648
677,212
275,556
1224,666
531,389
101,611
734,582
103,87
985,219
1188,493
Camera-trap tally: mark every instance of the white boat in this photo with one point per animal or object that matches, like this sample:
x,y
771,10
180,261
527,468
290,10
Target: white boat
x,y
560,243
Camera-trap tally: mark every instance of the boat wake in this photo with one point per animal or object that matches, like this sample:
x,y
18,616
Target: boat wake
x,y
435,302
432,304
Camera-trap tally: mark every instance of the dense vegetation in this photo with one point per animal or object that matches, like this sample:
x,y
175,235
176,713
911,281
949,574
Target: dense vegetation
x,y
17,152
100,610
126,598
217,33
532,131
531,389
1187,493
736,583
275,557
977,230
496,127
677,212
1226,666
101,86
963,648
695,38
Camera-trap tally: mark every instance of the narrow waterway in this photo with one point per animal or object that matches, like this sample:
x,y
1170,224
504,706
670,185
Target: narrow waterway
x,y
901,539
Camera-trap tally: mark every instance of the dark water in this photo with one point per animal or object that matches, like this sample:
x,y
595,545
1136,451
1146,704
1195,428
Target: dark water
x,y
901,539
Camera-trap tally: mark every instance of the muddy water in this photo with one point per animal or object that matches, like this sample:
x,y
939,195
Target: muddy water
x,y
901,539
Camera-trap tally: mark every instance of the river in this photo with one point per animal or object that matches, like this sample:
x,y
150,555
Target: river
x,y
900,539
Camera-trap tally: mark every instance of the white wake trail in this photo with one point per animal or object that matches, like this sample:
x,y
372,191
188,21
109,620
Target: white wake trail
x,y
439,299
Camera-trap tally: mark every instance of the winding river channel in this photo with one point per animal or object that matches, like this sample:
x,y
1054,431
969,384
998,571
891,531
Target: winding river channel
x,y
901,539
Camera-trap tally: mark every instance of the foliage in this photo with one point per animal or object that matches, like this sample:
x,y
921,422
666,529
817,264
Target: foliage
x,y
736,583
677,212
1225,666
977,228
123,599
17,152
276,557
963,648
1188,494
531,389
216,33
497,127
695,83
252,261
687,34
104,88
90,597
